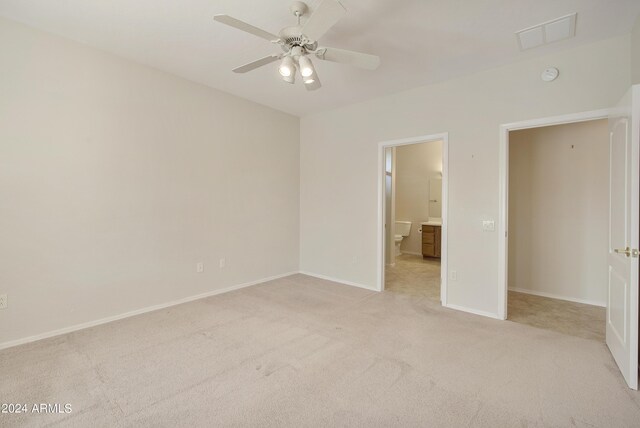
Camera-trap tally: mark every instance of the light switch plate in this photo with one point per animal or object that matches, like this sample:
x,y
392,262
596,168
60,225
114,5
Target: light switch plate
x,y
488,225
3,301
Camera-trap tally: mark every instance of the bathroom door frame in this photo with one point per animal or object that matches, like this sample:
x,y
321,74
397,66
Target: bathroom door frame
x,y
444,137
503,171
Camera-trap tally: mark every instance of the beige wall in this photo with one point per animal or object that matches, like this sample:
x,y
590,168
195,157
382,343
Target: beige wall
x,y
116,179
339,194
558,211
635,52
415,165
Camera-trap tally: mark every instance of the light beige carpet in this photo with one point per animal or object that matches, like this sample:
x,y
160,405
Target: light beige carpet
x,y
307,352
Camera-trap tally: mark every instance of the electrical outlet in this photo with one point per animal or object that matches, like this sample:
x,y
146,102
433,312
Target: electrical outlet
x,y
223,262
453,275
199,267
488,225
3,301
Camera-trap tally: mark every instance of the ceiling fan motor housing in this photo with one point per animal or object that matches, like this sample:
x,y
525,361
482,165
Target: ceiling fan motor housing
x,y
292,36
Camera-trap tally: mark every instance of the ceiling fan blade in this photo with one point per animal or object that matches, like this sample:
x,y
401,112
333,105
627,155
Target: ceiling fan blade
x,y
315,85
326,16
243,26
255,64
362,60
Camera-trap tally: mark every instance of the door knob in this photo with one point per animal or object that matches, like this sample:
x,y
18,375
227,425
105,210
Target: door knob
x,y
628,252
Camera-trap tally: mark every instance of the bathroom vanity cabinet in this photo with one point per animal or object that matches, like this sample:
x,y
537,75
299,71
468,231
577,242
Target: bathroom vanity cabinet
x,y
431,241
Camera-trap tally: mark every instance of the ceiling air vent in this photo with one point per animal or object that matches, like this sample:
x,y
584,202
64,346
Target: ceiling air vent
x,y
547,32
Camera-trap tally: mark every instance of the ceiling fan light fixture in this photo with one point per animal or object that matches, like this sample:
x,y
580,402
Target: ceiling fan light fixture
x,y
306,66
287,67
290,79
309,79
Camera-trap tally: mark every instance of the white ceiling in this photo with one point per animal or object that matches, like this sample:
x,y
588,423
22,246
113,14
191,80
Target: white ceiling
x,y
419,41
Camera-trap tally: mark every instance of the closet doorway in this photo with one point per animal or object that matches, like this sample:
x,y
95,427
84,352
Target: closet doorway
x,y
558,235
589,185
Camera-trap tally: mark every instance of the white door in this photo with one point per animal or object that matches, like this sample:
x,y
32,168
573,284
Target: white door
x,y
389,206
624,219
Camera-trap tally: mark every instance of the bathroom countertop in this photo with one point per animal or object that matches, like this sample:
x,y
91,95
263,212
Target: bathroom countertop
x,y
431,223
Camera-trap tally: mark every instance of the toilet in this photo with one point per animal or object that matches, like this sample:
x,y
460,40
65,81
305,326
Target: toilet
x,y
403,228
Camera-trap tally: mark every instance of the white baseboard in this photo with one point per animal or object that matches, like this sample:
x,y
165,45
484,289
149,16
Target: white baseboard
x,y
89,324
556,296
339,281
473,311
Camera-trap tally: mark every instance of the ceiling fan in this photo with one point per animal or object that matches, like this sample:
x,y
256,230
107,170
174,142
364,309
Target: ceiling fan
x,y
299,42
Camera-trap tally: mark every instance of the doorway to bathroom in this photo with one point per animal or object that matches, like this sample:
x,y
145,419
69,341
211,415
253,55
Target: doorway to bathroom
x,y
413,217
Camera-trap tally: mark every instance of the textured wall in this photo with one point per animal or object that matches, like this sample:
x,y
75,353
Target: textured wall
x,y
558,210
116,179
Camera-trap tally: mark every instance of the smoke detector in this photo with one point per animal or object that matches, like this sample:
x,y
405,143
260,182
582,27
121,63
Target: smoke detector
x,y
550,74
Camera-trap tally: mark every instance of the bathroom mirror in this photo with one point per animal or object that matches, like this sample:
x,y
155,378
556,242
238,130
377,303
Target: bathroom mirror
x,y
435,197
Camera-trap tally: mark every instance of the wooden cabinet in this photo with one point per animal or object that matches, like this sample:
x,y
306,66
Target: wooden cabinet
x,y
431,241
